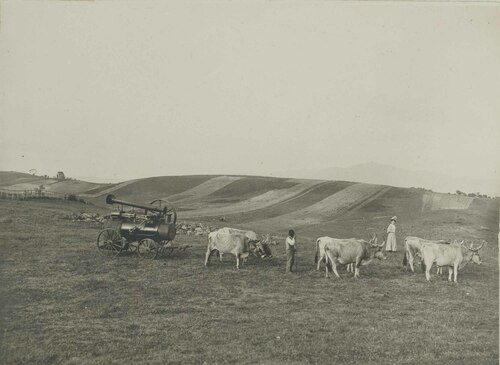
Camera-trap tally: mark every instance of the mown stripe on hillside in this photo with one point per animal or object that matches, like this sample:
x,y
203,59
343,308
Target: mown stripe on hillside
x,y
206,188
438,201
249,187
374,214
267,199
101,189
71,186
326,209
107,190
308,197
145,190
402,202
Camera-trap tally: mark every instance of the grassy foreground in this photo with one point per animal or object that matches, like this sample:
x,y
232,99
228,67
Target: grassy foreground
x,y
61,303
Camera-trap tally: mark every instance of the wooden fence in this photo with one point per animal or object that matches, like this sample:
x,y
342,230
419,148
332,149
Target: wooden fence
x,y
34,194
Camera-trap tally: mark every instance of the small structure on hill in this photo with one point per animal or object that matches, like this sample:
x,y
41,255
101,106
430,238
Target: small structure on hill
x,y
60,176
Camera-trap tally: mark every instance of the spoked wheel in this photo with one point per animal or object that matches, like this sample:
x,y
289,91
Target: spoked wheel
x,y
147,248
110,243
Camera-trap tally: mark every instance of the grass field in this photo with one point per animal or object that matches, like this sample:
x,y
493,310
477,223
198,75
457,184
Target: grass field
x,y
61,303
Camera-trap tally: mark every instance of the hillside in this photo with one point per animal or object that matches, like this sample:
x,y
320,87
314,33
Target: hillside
x,y
273,204
152,311
18,181
376,173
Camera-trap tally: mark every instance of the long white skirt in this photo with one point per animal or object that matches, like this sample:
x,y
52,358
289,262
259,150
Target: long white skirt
x,y
391,242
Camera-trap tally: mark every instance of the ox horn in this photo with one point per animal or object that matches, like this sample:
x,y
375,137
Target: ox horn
x,y
478,248
382,244
469,247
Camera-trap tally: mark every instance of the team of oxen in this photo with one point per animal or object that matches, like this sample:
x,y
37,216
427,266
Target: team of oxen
x,y
351,252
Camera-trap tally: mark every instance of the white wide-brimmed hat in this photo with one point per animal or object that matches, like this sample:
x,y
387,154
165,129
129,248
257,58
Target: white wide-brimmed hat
x,y
394,218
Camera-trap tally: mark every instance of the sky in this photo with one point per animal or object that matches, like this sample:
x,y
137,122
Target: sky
x,y
110,90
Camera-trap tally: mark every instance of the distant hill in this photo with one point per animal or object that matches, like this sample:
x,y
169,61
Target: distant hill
x,y
18,181
312,207
374,173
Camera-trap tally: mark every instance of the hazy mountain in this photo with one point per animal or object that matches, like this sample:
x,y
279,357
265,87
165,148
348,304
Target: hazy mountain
x,y
390,175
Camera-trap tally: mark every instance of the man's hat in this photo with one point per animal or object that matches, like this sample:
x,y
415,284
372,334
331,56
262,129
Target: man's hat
x,y
394,218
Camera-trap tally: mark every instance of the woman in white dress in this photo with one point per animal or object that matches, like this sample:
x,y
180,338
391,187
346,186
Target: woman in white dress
x,y
290,250
391,235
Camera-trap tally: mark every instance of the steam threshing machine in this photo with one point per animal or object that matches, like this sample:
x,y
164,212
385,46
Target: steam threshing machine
x,y
146,234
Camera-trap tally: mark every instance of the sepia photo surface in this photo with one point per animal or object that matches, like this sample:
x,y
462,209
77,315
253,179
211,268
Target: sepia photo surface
x,y
271,182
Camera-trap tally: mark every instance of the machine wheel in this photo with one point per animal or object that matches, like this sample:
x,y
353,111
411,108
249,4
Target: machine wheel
x,y
147,248
110,243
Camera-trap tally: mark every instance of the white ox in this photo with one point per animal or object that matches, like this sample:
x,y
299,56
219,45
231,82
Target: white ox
x,y
455,257
230,240
350,251
251,235
320,254
413,248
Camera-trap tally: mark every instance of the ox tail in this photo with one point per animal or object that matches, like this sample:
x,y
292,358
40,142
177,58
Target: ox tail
x,y
211,246
405,256
316,255
327,251
422,261
328,259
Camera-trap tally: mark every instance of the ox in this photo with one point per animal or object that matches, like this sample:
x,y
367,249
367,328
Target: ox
x,y
225,241
455,256
320,256
413,246
263,247
349,251
251,235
